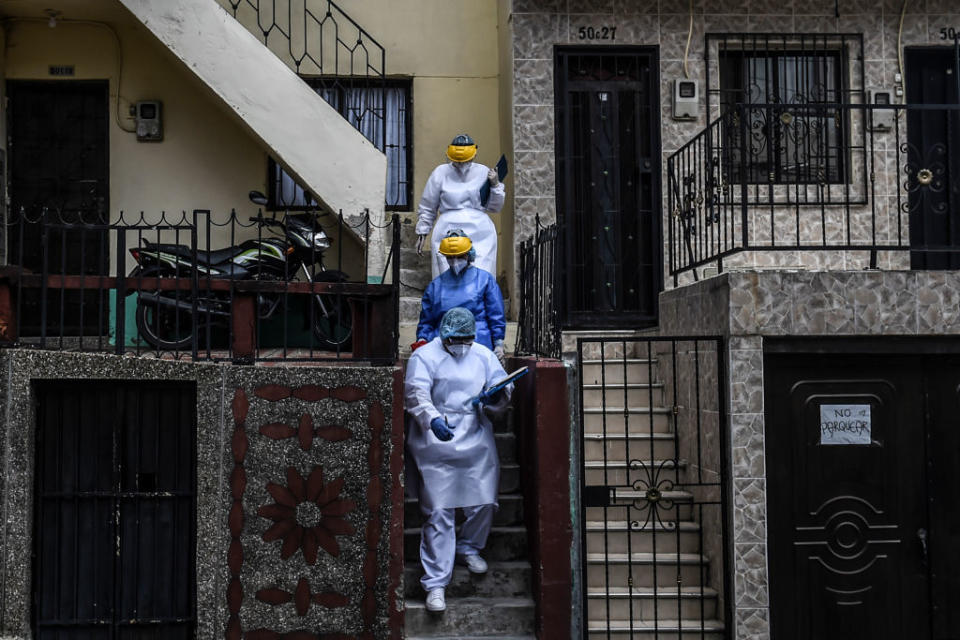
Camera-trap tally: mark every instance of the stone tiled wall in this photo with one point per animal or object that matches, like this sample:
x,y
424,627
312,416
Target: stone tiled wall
x,y
747,307
298,481
538,25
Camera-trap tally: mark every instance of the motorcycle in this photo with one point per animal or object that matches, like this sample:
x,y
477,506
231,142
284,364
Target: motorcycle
x,y
164,318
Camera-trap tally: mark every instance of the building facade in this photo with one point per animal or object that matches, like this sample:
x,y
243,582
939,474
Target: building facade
x,y
714,173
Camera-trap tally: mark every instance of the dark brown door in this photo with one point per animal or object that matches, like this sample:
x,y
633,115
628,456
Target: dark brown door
x,y
114,519
858,546
59,164
608,185
933,145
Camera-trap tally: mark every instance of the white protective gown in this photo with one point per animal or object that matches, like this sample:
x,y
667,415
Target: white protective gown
x,y
455,195
464,471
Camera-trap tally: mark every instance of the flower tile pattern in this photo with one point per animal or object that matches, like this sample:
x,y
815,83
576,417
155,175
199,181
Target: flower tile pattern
x,y
309,555
307,514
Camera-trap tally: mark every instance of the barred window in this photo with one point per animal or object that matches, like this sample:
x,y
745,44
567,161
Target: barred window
x,y
794,133
380,110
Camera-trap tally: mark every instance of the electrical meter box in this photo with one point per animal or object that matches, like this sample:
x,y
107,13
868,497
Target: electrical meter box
x,y
686,99
881,119
149,122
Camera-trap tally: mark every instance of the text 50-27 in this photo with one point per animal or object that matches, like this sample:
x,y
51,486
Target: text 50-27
x,y
597,33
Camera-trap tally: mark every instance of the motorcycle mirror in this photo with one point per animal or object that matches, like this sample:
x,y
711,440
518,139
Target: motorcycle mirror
x,y
258,198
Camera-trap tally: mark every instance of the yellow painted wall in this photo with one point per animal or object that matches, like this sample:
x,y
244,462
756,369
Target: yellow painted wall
x,y
452,51
206,160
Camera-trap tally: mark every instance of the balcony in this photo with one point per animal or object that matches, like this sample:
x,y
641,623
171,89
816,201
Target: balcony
x,y
826,186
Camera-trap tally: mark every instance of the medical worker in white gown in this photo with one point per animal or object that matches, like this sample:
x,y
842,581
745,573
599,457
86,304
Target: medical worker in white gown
x,y
451,200
453,447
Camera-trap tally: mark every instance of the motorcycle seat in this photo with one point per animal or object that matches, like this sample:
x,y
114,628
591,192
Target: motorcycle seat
x,y
203,257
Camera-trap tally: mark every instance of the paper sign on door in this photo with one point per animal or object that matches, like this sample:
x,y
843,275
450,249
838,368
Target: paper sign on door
x,y
845,424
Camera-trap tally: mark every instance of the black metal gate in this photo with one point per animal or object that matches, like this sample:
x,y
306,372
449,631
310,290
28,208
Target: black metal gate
x,y
115,511
654,488
608,184
933,157
59,174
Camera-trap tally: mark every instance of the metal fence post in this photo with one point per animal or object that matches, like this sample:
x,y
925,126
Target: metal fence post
x,y
120,338
395,273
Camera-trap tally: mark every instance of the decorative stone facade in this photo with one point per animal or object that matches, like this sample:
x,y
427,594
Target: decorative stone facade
x,y
298,491
749,306
539,25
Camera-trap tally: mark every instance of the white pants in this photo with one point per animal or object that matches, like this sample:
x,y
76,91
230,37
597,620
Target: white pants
x,y
439,543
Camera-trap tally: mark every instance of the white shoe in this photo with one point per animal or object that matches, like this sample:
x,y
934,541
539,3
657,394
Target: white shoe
x,y
474,563
436,601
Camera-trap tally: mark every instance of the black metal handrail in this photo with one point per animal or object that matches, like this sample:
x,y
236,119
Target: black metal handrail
x,y
728,193
321,42
538,329
192,286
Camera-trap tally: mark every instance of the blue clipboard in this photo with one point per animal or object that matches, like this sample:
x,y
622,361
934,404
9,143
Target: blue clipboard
x,y
501,168
500,384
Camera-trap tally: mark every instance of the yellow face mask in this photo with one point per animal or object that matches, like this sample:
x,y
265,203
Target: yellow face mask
x,y
458,153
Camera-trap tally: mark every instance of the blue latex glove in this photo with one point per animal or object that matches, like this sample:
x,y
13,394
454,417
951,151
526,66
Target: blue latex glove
x,y
440,429
485,397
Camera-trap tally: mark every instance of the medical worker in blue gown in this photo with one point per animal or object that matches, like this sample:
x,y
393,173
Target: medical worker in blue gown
x,y
451,442
463,285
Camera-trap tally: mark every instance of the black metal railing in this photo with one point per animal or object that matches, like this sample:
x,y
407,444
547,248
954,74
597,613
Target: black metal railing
x,y
292,286
538,328
789,177
346,66
655,488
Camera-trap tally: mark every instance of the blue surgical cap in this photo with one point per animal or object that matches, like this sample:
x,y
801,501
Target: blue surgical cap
x,y
458,323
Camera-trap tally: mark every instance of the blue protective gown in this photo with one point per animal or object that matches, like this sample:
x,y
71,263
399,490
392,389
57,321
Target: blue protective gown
x,y
475,290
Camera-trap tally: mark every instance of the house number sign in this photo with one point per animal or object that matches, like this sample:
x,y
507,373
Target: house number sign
x,y
845,424
597,33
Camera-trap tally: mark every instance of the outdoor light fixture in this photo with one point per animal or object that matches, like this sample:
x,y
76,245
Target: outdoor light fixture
x,y
52,14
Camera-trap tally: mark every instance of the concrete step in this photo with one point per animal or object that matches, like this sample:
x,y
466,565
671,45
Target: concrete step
x,y
635,419
409,309
615,472
616,569
675,506
659,630
619,446
667,537
635,393
509,513
694,604
509,478
503,544
511,579
612,349
618,370
415,276
471,616
506,446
